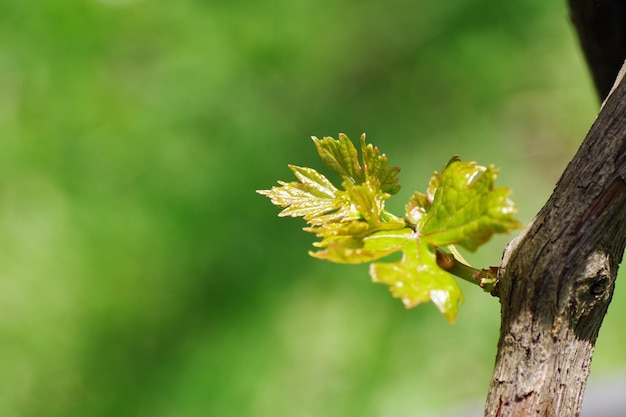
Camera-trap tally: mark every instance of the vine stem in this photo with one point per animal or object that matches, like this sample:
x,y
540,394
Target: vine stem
x,y
484,278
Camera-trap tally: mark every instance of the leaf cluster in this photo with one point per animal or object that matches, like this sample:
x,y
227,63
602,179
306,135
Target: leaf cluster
x,y
460,207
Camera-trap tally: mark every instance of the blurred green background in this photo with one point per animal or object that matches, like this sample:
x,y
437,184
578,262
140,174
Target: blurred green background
x,y
140,274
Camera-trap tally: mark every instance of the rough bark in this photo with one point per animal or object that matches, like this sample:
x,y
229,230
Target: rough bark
x,y
557,278
601,28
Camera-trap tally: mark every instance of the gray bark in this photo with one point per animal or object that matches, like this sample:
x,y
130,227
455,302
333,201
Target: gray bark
x,y
556,280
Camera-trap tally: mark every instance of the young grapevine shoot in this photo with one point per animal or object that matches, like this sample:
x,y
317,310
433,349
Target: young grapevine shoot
x,y
461,207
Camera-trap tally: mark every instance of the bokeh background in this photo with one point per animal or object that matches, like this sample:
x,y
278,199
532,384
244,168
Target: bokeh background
x,y
140,273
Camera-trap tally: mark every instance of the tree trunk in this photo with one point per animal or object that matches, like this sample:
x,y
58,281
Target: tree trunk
x,y
557,278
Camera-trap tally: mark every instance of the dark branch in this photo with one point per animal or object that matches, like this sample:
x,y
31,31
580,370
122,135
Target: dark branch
x,y
601,27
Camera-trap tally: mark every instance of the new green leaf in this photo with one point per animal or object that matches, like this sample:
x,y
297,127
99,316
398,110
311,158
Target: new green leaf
x,y
417,278
465,208
311,197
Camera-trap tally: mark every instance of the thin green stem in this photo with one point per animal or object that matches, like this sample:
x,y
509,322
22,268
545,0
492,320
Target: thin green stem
x,y
484,278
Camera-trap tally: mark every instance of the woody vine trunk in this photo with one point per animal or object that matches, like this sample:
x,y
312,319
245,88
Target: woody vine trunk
x,y
557,278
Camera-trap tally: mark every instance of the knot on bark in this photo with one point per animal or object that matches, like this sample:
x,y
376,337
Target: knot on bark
x,y
593,292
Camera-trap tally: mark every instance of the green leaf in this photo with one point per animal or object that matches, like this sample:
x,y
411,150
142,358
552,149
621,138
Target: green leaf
x,y
353,250
466,209
310,198
376,168
417,278
419,204
341,157
418,207
367,201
